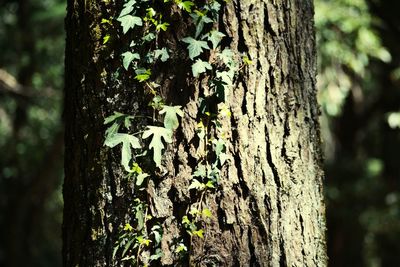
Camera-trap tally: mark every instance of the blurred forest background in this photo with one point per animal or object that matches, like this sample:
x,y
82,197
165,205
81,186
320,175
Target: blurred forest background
x,y
359,94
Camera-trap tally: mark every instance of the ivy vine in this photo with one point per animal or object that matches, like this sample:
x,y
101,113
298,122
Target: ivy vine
x,y
138,244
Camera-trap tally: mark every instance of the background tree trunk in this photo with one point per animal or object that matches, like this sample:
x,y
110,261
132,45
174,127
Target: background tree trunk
x,y
268,209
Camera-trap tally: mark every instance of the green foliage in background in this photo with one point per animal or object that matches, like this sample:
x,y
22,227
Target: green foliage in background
x,y
32,48
358,89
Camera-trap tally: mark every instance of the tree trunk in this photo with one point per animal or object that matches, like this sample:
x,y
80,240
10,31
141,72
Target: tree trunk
x,y
267,209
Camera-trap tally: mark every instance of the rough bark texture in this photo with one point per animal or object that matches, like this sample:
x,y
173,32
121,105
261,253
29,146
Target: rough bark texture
x,y
269,207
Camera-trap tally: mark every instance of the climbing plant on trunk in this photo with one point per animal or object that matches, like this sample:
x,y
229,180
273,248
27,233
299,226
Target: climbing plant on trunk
x,y
192,135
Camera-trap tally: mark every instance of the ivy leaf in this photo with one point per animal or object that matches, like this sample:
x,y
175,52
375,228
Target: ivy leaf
x,y
226,56
186,5
128,57
128,227
185,220
196,185
200,20
195,47
214,7
219,146
163,53
127,141
210,184
222,158
200,66
162,26
113,117
148,37
247,60
181,247
171,116
113,129
206,213
129,22
219,86
142,74
127,245
139,215
226,76
106,38
156,143
155,231
130,3
140,178
215,37
126,10
200,171
157,254
199,233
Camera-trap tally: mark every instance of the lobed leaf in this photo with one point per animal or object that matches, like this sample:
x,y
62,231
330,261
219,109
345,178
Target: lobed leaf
x,y
171,116
156,143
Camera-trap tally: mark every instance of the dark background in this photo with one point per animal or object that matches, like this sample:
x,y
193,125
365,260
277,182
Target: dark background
x,y
359,94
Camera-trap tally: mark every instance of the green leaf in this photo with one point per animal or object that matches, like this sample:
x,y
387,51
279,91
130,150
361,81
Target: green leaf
x,y
129,22
226,76
200,66
148,37
195,47
215,37
200,19
214,7
210,184
113,129
128,227
219,86
155,230
106,38
207,213
247,60
127,121
127,246
150,12
219,146
222,158
128,57
226,56
201,130
115,251
156,143
162,26
142,74
130,3
127,141
199,233
158,254
200,171
185,220
113,117
136,168
163,53
181,247
157,102
105,21
196,185
171,116
139,215
186,5
140,178
126,10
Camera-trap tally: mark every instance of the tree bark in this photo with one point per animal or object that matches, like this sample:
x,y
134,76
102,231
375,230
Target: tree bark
x,y
268,209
